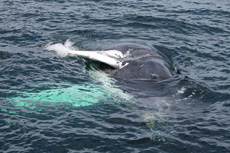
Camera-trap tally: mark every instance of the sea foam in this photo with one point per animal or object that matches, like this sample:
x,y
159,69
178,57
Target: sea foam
x,y
60,49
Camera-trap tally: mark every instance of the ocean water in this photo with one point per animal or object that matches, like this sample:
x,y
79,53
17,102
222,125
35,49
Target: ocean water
x,y
50,103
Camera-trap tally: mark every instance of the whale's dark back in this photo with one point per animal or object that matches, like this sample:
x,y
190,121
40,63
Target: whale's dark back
x,y
144,63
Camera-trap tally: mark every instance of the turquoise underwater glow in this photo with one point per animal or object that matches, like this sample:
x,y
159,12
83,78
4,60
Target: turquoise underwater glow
x,y
76,95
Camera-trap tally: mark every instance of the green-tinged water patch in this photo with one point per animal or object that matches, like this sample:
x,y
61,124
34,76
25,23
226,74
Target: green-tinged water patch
x,y
160,127
79,95
101,90
8,111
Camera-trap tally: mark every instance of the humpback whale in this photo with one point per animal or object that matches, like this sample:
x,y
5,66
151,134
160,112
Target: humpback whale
x,y
124,61
140,62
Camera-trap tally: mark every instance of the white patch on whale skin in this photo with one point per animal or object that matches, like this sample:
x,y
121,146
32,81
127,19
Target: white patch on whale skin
x,y
127,53
113,53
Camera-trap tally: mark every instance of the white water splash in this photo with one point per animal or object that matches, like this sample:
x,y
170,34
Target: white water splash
x,y
62,50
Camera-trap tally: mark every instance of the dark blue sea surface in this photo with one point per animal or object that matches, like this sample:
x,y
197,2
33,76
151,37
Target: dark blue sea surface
x,y
50,103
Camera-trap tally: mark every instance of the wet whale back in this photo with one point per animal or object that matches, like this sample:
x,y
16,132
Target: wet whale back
x,y
143,63
147,70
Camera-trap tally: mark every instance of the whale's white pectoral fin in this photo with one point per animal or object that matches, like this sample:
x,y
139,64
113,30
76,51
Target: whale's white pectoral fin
x,y
110,57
